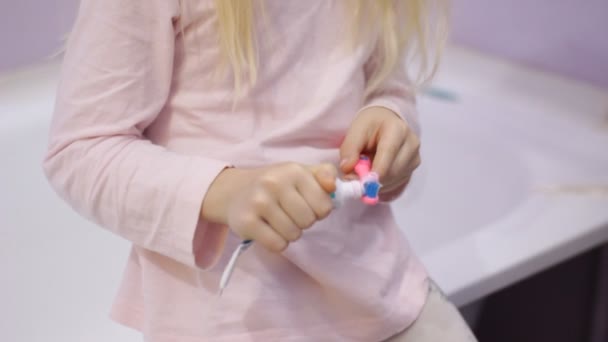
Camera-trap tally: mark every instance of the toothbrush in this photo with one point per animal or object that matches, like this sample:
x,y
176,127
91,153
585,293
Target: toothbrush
x,y
370,181
366,188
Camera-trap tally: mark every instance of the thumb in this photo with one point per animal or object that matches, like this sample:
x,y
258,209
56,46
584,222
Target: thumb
x,y
353,145
326,175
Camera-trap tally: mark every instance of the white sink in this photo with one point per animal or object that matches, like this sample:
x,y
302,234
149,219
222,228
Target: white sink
x,y
468,179
514,177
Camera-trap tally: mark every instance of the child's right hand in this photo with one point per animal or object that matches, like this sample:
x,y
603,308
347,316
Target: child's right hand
x,y
271,205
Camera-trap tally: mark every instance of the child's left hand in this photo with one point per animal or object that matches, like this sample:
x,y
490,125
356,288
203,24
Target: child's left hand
x,y
391,144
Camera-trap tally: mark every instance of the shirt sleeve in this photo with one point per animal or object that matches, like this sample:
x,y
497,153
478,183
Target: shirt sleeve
x,y
395,93
116,79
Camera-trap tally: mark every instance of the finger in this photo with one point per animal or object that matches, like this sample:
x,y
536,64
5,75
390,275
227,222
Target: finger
x,y
402,167
411,152
394,185
315,196
393,193
391,140
266,236
325,175
281,223
295,206
414,144
354,143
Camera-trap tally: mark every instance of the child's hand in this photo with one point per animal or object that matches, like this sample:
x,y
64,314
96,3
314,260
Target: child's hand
x,y
390,143
273,205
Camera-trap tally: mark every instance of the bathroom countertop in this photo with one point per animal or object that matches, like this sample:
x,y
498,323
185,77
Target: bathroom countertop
x,y
514,176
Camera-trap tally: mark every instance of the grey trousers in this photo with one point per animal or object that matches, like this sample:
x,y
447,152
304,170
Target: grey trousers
x,y
439,321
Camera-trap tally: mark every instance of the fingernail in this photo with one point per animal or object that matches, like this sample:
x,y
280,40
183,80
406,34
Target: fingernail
x,y
343,162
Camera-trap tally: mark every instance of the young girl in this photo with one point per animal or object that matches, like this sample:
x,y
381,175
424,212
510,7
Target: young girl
x,y
186,126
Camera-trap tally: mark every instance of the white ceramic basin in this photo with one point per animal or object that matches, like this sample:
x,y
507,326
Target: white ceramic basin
x,y
514,176
468,179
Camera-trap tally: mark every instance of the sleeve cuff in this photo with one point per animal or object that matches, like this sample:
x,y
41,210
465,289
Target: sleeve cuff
x,y
196,242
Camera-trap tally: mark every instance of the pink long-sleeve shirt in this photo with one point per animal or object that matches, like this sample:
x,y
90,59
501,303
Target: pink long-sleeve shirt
x,y
142,126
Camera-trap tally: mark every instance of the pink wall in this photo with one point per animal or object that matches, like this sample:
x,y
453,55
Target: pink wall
x,y
567,36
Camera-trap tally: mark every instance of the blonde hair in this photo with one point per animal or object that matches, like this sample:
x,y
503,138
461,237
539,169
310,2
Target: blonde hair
x,y
410,30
